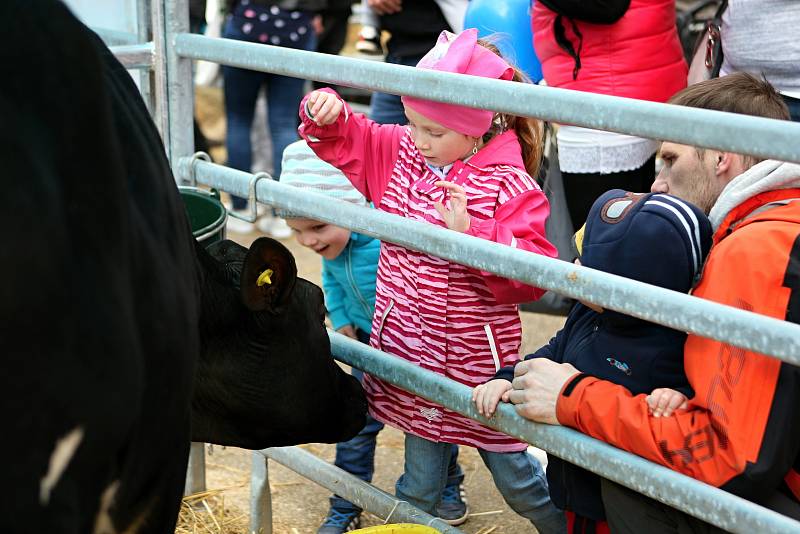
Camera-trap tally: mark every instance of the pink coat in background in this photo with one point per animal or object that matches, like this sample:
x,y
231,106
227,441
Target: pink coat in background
x,y
447,318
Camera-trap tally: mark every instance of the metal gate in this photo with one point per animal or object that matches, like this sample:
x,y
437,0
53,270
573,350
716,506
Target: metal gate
x,y
168,58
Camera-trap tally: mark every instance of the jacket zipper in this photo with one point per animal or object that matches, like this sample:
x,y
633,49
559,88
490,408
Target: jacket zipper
x,y
352,279
492,346
383,320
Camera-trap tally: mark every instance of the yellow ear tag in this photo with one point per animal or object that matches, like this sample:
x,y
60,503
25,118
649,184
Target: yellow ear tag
x,y
264,278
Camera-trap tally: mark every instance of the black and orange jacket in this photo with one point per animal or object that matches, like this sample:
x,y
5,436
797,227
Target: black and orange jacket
x,y
741,431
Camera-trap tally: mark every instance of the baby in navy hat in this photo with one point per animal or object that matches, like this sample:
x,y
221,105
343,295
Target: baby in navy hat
x,y
654,238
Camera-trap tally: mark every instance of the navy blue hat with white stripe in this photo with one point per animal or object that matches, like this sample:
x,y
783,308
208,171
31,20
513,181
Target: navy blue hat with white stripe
x,y
653,238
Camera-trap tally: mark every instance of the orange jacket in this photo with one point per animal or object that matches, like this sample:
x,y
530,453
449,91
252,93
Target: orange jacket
x,y
741,431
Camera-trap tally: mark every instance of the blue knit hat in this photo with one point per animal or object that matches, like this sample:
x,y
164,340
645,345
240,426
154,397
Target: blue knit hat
x,y
654,238
302,168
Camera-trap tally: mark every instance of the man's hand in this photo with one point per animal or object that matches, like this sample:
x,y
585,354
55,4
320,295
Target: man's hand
x,y
536,384
385,7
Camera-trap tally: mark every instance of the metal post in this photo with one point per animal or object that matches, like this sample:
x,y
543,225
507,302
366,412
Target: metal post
x,y
196,471
159,110
174,87
260,496
144,31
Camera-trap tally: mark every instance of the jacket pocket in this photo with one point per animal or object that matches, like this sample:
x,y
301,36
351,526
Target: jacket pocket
x,y
379,335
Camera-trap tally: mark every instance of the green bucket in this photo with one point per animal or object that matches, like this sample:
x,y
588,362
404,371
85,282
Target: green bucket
x,y
206,214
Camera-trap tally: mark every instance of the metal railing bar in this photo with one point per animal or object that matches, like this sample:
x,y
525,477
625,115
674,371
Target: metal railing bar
x,y
742,134
695,498
355,490
683,312
138,56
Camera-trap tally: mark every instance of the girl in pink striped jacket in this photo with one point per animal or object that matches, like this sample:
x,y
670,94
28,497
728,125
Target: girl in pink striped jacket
x,y
469,170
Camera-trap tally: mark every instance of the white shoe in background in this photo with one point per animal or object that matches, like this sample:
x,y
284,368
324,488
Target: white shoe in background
x,y
239,226
273,226
280,230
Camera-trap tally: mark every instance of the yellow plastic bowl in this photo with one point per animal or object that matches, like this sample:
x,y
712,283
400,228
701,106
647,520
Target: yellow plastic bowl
x,y
398,528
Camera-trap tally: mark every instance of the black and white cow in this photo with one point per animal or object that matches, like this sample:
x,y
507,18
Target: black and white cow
x,y
121,338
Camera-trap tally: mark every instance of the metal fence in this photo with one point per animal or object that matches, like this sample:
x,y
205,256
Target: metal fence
x,y
169,56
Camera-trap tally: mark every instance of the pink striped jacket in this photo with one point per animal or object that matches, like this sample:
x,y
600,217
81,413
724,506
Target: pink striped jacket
x,y
447,318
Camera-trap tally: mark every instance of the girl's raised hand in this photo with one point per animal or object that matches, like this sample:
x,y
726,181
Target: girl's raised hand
x,y
455,212
323,107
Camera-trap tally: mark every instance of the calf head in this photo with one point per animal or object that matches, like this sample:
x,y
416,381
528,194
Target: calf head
x,y
266,376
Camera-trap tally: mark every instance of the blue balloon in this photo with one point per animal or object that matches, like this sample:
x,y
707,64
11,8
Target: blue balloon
x,y
511,19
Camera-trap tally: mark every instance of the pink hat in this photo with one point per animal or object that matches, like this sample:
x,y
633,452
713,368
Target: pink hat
x,y
460,54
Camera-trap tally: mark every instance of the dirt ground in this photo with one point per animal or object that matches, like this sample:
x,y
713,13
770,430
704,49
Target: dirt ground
x,y
299,505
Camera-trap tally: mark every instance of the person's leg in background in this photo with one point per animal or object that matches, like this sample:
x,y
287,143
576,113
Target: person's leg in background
x,y
582,189
424,474
335,19
521,481
369,38
241,90
283,100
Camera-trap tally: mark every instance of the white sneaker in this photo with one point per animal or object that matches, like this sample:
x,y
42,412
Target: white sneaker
x,y
264,223
280,230
239,226
369,41
274,226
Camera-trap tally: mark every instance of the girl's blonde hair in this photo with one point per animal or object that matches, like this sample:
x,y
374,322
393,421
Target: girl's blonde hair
x,y
530,132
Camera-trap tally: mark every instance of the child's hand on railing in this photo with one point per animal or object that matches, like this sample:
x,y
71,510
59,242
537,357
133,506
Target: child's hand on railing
x,y
487,396
663,401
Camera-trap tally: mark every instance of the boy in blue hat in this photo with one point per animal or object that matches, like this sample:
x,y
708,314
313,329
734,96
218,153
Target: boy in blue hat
x,y
654,238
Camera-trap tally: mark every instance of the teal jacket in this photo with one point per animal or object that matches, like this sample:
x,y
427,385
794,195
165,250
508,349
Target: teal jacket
x,y
349,283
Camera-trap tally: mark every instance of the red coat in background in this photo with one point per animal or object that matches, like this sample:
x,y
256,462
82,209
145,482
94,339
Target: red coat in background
x,y
639,56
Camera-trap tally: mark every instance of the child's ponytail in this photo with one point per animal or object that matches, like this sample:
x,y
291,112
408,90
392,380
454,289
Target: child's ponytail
x,y
530,132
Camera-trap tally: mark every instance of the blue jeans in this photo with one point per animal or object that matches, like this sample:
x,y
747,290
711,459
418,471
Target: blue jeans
x,y
241,91
357,456
386,108
518,476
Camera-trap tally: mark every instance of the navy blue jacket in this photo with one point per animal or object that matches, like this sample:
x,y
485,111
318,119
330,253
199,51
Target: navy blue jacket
x,y
639,355
654,238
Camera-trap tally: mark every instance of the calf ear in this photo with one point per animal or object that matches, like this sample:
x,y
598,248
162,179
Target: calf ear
x,y
263,290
